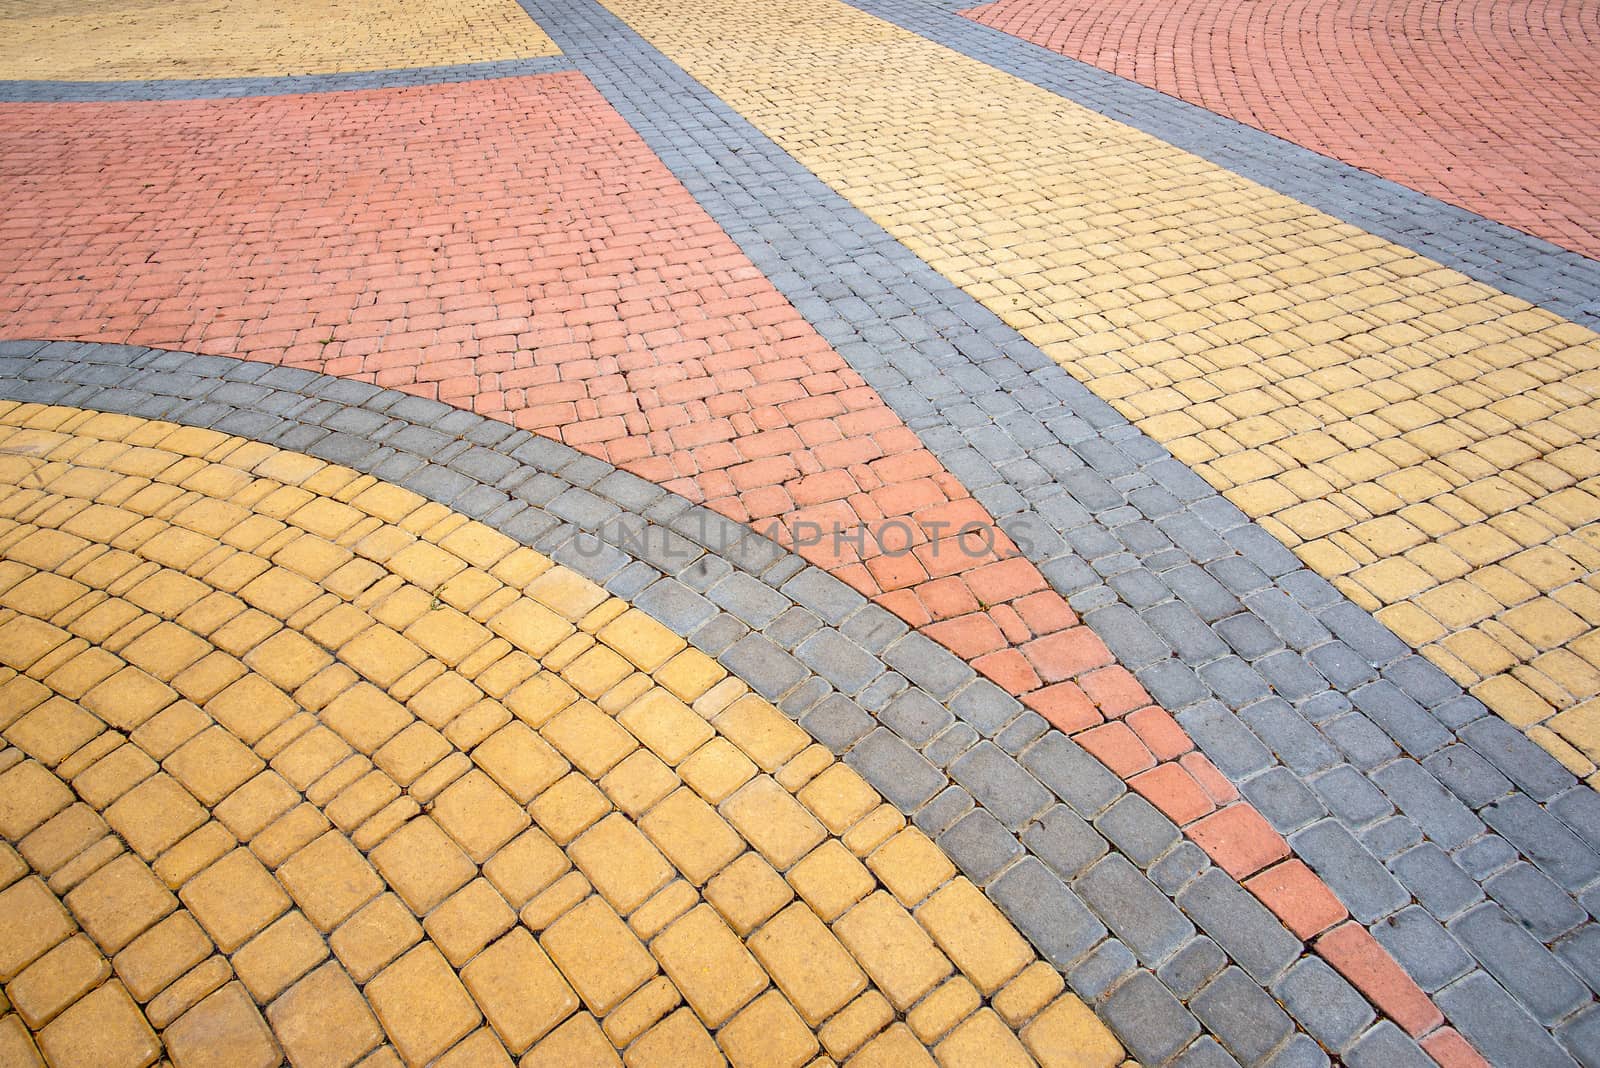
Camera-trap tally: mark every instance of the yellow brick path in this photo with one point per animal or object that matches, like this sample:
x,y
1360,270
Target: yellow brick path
x,y
1425,441
137,39
297,762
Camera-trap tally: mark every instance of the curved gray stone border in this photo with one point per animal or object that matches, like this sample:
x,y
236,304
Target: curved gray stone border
x,y
14,92
1437,823
1088,871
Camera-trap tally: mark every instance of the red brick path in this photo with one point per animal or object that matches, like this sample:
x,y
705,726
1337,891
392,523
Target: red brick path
x,y
511,246
1485,104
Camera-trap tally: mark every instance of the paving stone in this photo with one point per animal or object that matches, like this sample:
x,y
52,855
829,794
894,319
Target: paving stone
x,y
1247,1021
1332,1011
1544,840
1072,774
1000,785
1149,1020
1050,915
1386,1045
980,845
1524,967
1240,924
901,774
1502,1030
1364,885
1547,911
1139,913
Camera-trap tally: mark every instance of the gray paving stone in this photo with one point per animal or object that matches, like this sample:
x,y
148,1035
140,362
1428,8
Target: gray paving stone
x,y
1135,910
1295,742
837,722
1299,1052
1544,840
1192,966
748,598
1138,829
986,706
1046,912
1225,740
1064,841
1331,1010
1102,969
916,717
1000,785
1533,898
839,660
928,665
1519,759
1178,866
1280,796
1205,1052
1364,885
1497,1026
948,747
1149,1020
902,775
1581,953
1468,775
1523,966
1386,1046
980,846
1428,952
1247,1021
1072,774
1581,1035
767,669
1240,924
1438,883
948,806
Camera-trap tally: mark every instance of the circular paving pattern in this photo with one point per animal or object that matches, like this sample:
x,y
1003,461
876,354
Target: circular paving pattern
x,y
300,764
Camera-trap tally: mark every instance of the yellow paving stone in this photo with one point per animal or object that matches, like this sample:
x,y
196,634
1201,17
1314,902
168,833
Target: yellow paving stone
x,y
766,735
595,672
896,1047
53,731
381,655
938,1013
645,642
679,1041
29,795
578,1041
709,964
771,820
233,899
324,1020
620,862
811,761
748,892
254,806
670,902
223,1031
692,835
566,592
367,794
422,864
717,769
104,1029
422,1005
212,764
638,782
56,980
250,708
520,991
16,1046
641,1011
376,935
838,797
853,1025
120,902
531,627
767,1033
197,851
1068,1035
589,738
983,1040
597,953
666,725
476,724
690,674
831,879
62,837
518,760
481,1049
808,963
165,952
555,901
1029,992
468,920
897,953
329,880
279,955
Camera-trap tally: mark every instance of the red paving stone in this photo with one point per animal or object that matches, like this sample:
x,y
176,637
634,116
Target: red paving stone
x,y
1360,958
1301,900
546,269
1484,104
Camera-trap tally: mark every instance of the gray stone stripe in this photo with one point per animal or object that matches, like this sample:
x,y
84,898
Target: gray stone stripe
x,y
1508,259
1087,870
1306,701
14,92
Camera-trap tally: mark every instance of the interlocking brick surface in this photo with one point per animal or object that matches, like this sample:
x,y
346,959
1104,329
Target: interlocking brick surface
x,y
1487,115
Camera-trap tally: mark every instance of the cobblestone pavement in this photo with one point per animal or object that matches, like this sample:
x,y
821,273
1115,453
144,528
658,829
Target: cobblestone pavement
x,y
1439,97
558,336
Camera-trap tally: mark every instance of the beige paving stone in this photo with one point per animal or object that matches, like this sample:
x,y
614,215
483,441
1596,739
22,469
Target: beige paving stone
x,y
638,782
598,955
250,708
468,920
16,1046
748,892
1069,1035
897,953
767,1032
223,1031
165,952
935,1015
154,815
365,717
62,837
197,851
519,761
119,902
32,921
831,879
29,795
679,1040
234,898
665,724
56,980
808,963
422,864
104,1029
620,862
697,840
53,731
555,901
709,964
838,797
323,1021
670,902
278,956
578,1041
769,818
519,990
479,815
411,752
1029,992
969,928
375,936
422,1005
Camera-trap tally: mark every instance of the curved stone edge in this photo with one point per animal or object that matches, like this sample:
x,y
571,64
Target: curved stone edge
x,y
898,708
1387,796
17,92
